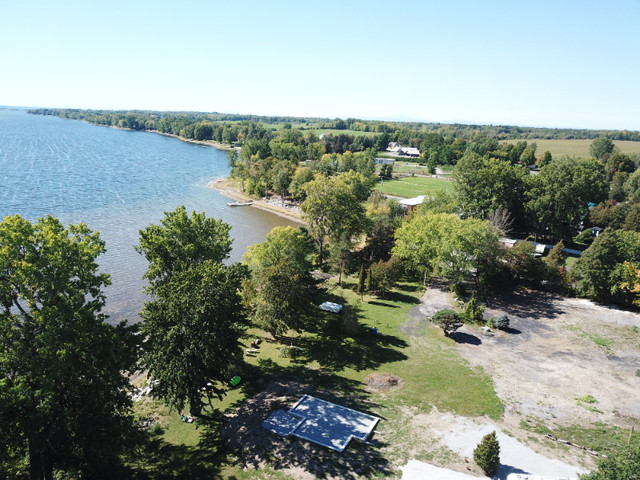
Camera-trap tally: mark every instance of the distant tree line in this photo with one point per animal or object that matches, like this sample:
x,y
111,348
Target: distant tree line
x,y
404,132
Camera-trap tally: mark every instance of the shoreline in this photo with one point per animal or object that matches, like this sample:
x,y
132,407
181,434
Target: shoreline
x,y
205,143
226,186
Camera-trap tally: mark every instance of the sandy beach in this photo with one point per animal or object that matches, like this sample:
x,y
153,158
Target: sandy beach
x,y
274,204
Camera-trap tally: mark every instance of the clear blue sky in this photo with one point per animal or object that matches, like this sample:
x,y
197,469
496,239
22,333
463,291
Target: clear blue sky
x,y
556,63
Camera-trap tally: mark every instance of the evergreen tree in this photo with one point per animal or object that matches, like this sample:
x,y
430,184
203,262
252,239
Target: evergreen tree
x,y
487,454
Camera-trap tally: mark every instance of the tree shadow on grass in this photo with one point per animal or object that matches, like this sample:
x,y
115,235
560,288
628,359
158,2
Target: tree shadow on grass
x,y
382,304
255,447
156,459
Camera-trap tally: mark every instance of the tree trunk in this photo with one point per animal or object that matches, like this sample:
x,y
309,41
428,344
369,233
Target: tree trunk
x,y
36,471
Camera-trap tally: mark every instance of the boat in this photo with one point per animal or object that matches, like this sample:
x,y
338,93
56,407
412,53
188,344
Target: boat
x,y
239,204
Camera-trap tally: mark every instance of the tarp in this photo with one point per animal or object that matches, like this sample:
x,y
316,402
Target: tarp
x,y
330,307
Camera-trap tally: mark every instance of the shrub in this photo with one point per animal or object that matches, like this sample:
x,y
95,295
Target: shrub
x,y
487,454
502,322
448,320
473,311
585,237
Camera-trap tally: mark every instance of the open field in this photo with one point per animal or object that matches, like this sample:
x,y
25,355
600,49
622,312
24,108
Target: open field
x,y
409,187
579,148
334,132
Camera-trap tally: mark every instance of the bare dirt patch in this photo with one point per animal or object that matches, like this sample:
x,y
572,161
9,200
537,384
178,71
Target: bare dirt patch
x,y
557,353
381,382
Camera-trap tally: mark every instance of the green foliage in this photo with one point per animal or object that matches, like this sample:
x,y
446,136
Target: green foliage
x,y
370,282
439,202
332,210
585,237
623,464
448,320
545,160
487,454
181,240
443,244
632,186
600,271
383,216
472,311
63,401
386,171
559,197
280,289
384,275
502,322
483,185
556,259
523,265
600,147
192,327
193,321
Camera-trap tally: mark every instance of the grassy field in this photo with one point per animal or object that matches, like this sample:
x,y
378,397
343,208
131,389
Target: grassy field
x,y
334,132
579,148
330,359
409,187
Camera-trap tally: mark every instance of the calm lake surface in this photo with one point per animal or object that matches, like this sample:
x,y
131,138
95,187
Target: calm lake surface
x,y
116,182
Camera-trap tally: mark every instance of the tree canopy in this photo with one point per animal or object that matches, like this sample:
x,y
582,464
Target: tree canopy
x,y
445,245
559,197
332,210
484,185
280,288
193,321
62,368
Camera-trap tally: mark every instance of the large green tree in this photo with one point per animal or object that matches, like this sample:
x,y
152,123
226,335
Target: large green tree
x,y
194,319
181,240
63,400
332,210
558,198
280,288
601,147
484,185
601,269
445,245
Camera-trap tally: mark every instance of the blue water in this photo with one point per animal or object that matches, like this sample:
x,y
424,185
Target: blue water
x,y
116,182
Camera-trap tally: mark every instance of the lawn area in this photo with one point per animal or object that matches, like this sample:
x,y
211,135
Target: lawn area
x,y
334,356
579,148
413,186
334,132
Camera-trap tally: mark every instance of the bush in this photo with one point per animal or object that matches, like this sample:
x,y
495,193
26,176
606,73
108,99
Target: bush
x,y
473,311
502,322
585,237
487,454
448,320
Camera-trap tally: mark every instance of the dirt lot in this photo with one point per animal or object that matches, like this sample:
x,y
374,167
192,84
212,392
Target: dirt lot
x,y
563,362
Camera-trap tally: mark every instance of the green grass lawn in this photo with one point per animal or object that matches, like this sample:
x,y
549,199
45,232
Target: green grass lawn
x,y
413,186
332,359
579,148
334,132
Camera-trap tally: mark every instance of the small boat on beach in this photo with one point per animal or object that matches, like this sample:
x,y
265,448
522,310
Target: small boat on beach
x,y
239,204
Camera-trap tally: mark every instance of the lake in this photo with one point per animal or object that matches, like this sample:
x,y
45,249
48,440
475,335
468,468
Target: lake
x,y
116,182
